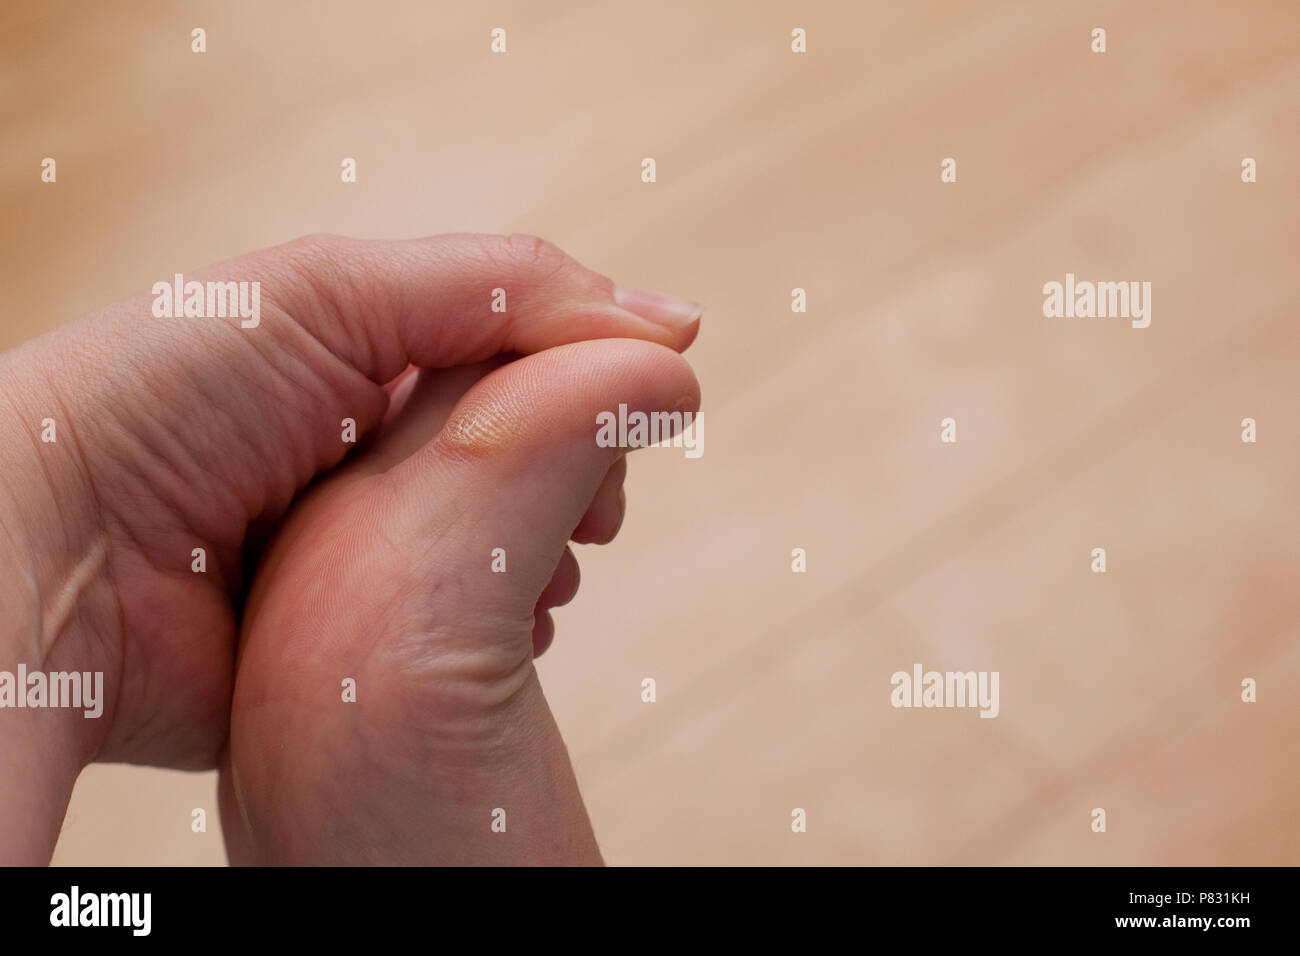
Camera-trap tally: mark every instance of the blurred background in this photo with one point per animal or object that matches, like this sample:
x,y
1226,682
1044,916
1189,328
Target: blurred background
x,y
818,171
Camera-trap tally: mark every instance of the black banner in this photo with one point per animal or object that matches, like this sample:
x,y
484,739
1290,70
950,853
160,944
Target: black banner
x,y
139,906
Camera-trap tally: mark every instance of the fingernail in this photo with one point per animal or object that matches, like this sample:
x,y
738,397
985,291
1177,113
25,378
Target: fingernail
x,y
662,309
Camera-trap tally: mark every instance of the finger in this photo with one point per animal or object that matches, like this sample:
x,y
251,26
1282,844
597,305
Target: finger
x,y
455,299
605,514
543,633
519,456
563,586
560,591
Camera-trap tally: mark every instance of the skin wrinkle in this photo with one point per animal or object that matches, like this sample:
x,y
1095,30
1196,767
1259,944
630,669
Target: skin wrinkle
x,y
302,462
307,382
372,355
307,259
418,323
294,265
233,427
27,567
138,466
69,592
274,351
45,467
103,560
128,430
43,637
97,560
255,383
146,552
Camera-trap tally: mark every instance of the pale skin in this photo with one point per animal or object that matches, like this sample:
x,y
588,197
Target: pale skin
x,y
176,434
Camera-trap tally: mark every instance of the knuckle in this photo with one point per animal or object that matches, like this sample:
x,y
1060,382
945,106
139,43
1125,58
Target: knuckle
x,y
315,279
304,258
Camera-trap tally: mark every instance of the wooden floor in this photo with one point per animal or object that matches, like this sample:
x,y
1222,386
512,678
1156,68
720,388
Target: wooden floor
x,y
818,171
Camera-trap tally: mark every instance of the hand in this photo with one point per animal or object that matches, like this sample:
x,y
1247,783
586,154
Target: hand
x,y
420,573
194,433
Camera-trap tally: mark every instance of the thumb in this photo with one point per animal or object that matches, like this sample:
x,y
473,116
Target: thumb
x,y
520,458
